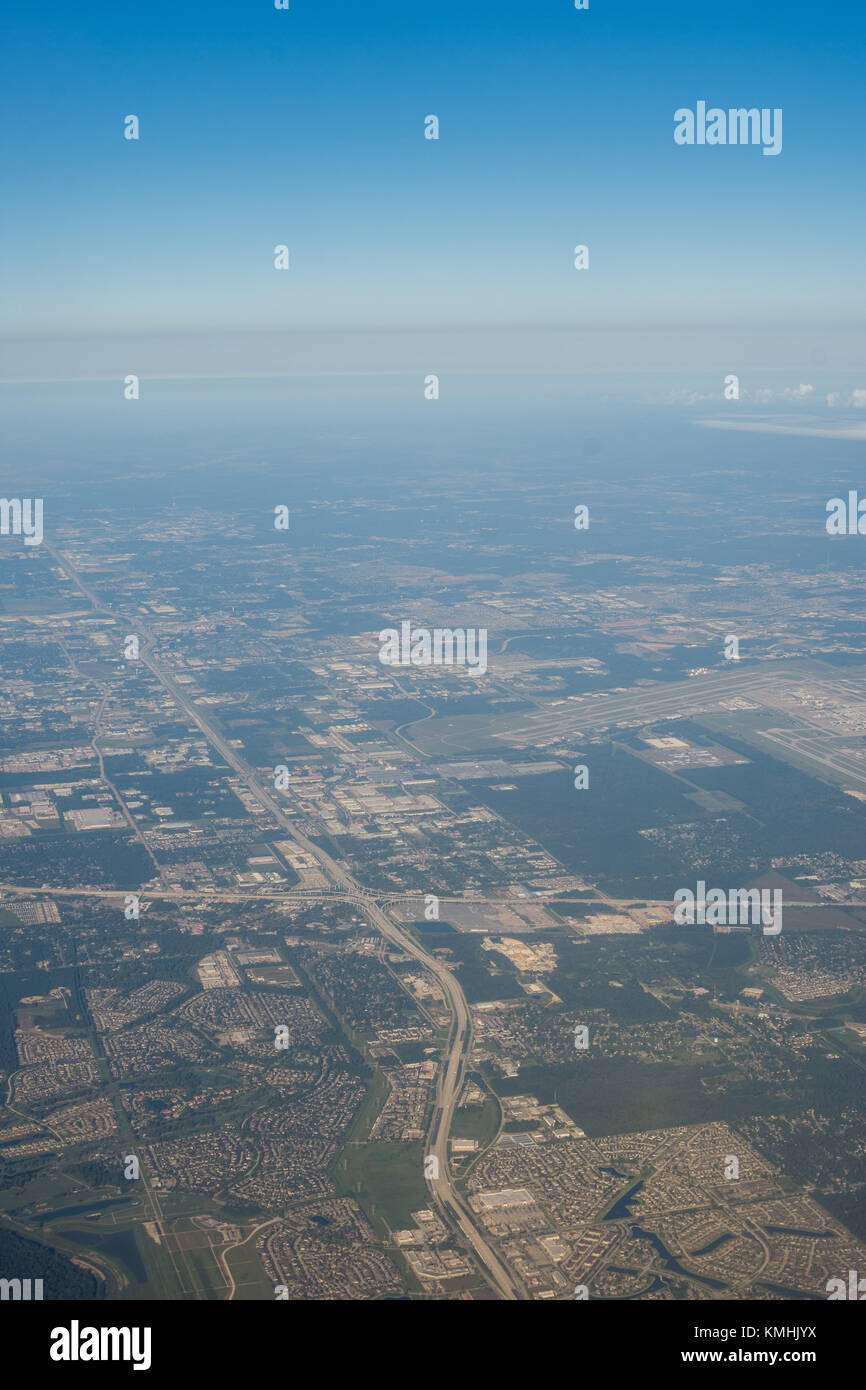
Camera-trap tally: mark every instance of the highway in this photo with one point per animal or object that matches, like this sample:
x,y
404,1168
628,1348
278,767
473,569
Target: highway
x,y
452,1068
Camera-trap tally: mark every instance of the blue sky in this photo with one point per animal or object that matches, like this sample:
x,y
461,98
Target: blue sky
x,y
306,127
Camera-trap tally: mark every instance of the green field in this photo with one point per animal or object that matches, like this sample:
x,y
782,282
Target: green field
x,y
387,1180
479,1122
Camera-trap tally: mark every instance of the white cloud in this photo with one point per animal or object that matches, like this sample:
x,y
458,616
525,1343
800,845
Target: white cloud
x,y
855,401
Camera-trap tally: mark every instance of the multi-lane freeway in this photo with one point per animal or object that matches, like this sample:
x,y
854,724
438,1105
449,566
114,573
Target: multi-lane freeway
x,y
452,1068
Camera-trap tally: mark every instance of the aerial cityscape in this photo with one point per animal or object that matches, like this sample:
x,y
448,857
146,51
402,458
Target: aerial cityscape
x,y
432,764
302,939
